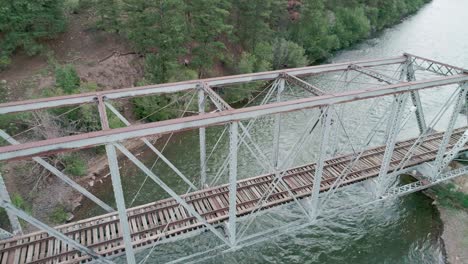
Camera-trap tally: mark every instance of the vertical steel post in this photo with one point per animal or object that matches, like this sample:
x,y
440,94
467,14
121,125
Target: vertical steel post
x,y
120,201
117,186
415,98
233,141
393,129
448,132
14,222
326,124
202,136
277,131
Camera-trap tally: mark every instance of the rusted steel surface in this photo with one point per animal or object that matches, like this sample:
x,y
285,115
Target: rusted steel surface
x,y
67,100
165,218
210,119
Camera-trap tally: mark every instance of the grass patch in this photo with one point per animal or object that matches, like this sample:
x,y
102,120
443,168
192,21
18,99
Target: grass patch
x,y
59,215
449,196
74,165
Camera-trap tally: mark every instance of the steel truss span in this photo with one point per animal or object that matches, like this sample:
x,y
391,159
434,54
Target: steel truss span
x,y
204,207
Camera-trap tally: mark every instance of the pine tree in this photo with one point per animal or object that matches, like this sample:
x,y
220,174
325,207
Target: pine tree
x,y
157,28
207,23
24,22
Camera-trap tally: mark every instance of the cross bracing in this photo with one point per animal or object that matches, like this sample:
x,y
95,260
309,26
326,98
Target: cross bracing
x,y
207,206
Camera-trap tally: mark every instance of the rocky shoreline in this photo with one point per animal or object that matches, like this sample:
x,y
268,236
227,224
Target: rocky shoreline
x,y
454,234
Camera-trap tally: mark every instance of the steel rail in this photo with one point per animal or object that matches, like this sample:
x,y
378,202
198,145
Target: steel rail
x,y
351,179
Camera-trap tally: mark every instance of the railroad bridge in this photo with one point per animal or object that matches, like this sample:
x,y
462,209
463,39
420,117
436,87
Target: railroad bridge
x,y
386,148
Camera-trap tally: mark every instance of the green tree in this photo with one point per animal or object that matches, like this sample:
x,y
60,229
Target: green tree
x,y
312,30
206,27
287,54
67,79
351,25
24,22
109,14
158,28
252,19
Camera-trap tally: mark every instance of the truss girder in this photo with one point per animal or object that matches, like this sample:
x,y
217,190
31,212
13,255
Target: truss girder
x,y
210,119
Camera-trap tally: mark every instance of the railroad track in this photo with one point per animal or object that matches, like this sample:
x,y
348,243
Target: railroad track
x,y
165,218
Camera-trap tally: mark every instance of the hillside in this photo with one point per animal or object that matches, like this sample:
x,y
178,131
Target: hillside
x,y
48,48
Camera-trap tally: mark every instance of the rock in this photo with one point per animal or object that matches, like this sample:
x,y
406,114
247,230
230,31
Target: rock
x,y
91,183
70,217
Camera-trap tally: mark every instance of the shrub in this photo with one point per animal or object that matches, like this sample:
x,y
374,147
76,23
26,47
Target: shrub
x,y
20,203
74,165
287,54
59,215
67,79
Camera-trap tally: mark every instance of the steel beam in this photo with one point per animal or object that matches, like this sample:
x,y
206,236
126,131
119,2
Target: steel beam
x,y
415,98
61,176
120,201
303,84
14,222
51,231
326,124
438,163
277,126
202,136
60,101
434,66
395,121
233,141
153,148
209,119
166,188
117,186
374,74
454,151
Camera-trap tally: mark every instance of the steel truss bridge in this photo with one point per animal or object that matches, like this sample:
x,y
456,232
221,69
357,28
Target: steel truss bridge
x,y
227,209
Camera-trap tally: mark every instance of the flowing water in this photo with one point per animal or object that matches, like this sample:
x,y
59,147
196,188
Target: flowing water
x,y
405,230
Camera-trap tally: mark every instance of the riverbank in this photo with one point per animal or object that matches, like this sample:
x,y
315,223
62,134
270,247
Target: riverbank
x,y
455,234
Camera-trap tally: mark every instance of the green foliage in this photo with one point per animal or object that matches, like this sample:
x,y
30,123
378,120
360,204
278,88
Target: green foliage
x,y
151,107
108,12
20,203
206,25
59,215
14,123
24,23
287,54
74,165
67,79
449,196
156,27
351,25
245,36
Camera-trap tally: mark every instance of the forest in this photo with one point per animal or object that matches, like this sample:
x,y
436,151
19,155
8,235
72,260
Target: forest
x,y
187,39
176,40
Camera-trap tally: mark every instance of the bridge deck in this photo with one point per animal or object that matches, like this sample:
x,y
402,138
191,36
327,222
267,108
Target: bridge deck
x,y
148,222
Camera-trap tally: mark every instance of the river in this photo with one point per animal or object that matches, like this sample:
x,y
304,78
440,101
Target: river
x,y
405,230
